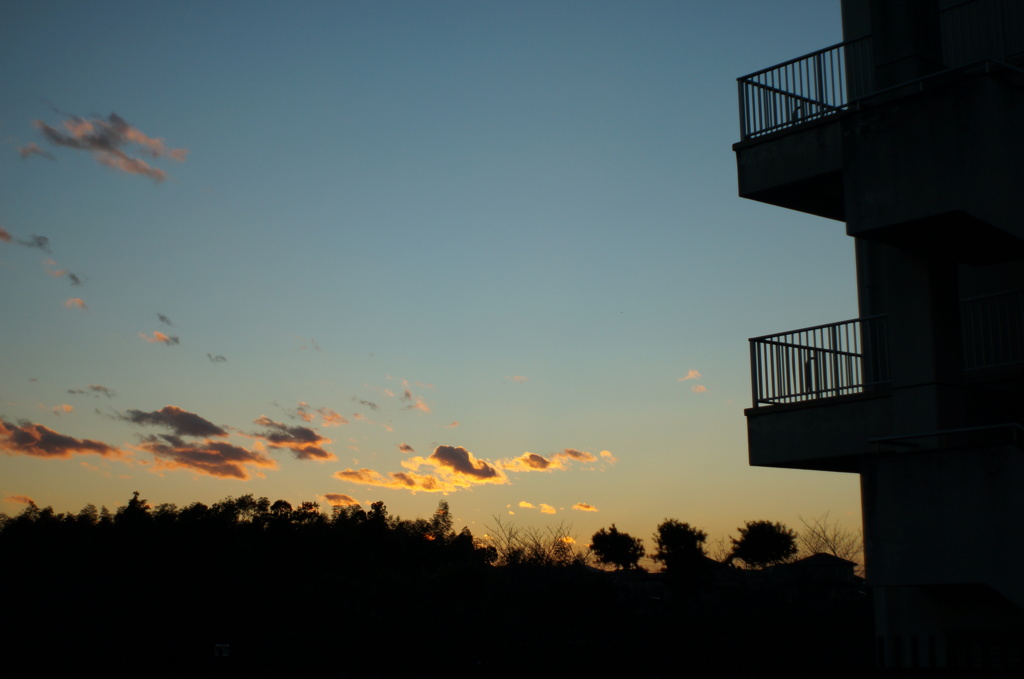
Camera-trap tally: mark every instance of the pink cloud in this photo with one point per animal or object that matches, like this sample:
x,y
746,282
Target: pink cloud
x,y
692,375
698,388
75,303
160,338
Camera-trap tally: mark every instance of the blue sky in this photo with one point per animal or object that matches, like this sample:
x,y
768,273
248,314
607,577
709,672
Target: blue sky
x,y
517,217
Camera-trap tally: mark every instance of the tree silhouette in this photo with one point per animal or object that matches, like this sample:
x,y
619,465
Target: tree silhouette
x,y
621,550
680,546
763,543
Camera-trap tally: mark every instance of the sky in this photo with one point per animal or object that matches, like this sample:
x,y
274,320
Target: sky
x,y
485,252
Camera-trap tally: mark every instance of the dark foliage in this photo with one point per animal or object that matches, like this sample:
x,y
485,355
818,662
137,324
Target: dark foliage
x,y
613,548
680,547
763,543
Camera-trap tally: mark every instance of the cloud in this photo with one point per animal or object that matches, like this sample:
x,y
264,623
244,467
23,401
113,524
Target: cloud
x,y
546,509
405,448
692,375
399,480
163,319
159,337
107,139
607,455
415,402
181,422
51,269
213,458
526,505
5,235
32,149
369,404
532,462
698,388
452,425
62,408
584,507
27,438
340,500
517,378
453,468
304,443
23,499
95,390
75,303
38,242
328,417
216,359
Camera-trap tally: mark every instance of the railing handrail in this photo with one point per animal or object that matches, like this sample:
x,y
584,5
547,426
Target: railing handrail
x,y
811,328
796,59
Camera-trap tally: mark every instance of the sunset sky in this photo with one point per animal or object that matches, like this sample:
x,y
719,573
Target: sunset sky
x,y
364,251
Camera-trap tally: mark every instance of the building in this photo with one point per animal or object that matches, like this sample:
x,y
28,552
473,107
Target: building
x,y
911,131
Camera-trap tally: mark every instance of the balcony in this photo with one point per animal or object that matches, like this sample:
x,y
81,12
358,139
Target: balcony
x,y
805,89
824,361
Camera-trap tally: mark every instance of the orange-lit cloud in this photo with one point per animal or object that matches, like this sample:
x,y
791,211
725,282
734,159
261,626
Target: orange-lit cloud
x,y
328,417
415,402
159,337
75,303
62,408
532,462
452,425
27,438
692,375
698,388
584,507
452,468
23,499
212,458
106,139
340,500
5,235
526,505
607,455
517,378
405,448
546,509
52,270
304,443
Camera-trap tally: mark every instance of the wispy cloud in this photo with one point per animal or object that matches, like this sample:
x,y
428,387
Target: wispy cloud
x,y
369,404
216,359
52,269
95,390
163,319
692,375
517,378
304,443
38,242
107,138
212,458
328,417
180,422
75,303
62,409
160,338
698,388
607,456
32,149
22,499
452,425
584,507
28,438
5,235
405,448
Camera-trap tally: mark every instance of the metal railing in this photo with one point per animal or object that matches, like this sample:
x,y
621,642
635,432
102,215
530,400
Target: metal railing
x,y
992,328
836,359
807,88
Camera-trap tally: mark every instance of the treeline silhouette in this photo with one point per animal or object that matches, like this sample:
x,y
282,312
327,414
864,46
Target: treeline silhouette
x,y
249,586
